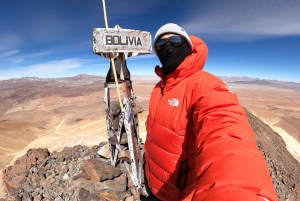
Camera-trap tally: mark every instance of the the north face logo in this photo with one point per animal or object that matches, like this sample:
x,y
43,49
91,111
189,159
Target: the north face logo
x,y
174,102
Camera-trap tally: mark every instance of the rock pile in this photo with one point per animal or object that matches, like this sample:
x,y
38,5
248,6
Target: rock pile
x,y
74,174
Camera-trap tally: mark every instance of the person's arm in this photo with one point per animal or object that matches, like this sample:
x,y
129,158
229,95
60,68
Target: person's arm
x,y
229,165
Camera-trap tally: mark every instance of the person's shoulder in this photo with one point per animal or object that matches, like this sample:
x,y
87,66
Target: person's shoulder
x,y
206,77
205,82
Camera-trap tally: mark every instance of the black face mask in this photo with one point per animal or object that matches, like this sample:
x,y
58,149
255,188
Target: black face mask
x,y
171,57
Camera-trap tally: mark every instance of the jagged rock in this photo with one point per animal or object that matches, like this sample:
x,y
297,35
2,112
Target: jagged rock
x,y
124,139
84,195
37,198
82,183
115,108
113,195
26,197
82,175
104,151
115,122
12,184
100,171
117,184
66,176
130,182
124,155
58,199
138,109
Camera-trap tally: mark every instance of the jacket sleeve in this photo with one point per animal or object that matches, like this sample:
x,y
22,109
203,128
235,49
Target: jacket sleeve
x,y
229,164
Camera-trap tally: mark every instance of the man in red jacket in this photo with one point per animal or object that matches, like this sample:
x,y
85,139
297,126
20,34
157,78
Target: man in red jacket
x,y
200,145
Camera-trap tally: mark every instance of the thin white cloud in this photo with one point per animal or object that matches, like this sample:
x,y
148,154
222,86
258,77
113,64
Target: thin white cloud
x,y
54,66
9,41
9,53
17,60
42,69
245,19
16,56
39,54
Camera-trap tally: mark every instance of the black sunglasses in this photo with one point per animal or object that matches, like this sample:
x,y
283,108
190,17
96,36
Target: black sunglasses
x,y
175,41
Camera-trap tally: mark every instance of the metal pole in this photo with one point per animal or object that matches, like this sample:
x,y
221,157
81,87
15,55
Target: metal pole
x,y
111,59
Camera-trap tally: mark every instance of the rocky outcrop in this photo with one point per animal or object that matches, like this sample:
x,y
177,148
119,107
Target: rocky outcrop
x,y
83,174
75,174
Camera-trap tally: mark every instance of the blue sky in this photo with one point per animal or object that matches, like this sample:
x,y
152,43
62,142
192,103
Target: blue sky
x,y
53,38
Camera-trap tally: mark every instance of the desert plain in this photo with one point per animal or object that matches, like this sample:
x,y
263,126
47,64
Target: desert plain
x,y
55,113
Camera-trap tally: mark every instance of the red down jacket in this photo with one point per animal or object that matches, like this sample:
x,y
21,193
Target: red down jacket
x,y
200,145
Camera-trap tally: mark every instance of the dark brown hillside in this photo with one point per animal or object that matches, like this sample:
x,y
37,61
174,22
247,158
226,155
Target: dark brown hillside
x,y
283,168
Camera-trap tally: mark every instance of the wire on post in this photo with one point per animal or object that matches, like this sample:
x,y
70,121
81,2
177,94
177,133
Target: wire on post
x,y
111,57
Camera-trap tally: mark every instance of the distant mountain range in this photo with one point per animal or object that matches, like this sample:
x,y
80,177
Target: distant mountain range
x,y
255,81
84,78
75,78
80,79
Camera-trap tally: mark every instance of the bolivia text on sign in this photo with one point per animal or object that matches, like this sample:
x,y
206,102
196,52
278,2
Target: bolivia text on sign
x,y
121,40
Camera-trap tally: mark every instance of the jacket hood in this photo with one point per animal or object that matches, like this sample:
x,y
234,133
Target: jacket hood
x,y
189,66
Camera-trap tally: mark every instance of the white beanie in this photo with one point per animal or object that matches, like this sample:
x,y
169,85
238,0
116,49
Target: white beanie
x,y
172,28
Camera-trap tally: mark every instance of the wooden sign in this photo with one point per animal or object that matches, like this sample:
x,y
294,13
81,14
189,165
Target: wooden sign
x,y
115,40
